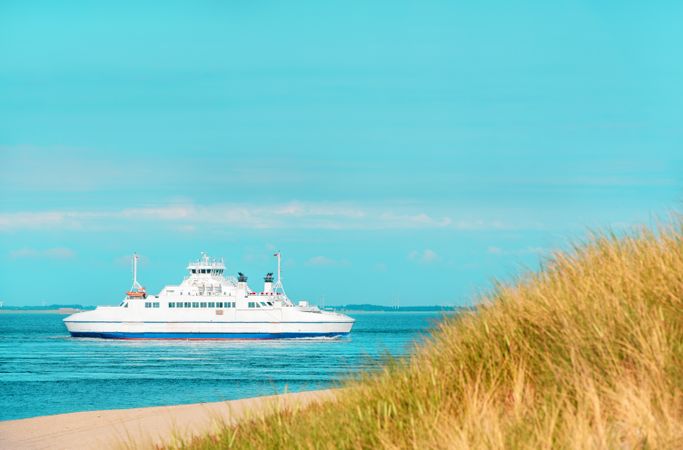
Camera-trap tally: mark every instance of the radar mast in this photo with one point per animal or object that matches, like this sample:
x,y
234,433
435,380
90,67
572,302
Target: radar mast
x,y
278,283
137,290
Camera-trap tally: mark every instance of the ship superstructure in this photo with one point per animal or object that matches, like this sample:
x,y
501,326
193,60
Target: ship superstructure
x,y
209,305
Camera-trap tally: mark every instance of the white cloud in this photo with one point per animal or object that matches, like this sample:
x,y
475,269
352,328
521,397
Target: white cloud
x,y
59,253
318,209
380,267
50,253
186,217
35,220
426,256
493,250
70,169
127,260
324,261
188,228
24,253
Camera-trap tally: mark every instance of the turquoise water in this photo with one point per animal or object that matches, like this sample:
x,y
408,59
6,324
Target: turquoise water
x,y
45,371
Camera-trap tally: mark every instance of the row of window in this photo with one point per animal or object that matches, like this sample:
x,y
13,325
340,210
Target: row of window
x,y
211,271
260,304
201,304
207,304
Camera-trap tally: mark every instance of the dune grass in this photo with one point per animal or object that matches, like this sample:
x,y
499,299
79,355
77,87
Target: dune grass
x,y
586,353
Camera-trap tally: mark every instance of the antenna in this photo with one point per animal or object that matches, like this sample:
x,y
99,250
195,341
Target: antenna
x,y
136,285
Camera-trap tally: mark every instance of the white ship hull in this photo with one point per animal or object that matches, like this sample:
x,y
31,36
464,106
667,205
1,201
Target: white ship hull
x,y
117,323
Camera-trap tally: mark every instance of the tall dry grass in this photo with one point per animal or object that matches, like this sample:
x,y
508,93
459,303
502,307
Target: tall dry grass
x,y
586,353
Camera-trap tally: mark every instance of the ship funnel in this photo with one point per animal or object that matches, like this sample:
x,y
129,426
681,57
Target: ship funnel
x,y
242,288
268,283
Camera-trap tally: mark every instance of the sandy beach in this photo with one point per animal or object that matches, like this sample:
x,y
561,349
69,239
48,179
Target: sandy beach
x,y
142,427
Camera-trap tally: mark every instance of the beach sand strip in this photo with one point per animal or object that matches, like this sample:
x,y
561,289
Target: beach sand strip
x,y
143,427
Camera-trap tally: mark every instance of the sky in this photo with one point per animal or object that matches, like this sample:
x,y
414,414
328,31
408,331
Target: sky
x,y
395,152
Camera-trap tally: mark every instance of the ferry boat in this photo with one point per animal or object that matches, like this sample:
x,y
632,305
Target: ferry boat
x,y
209,305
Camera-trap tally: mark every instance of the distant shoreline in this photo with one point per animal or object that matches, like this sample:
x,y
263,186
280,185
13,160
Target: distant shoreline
x,y
402,310
61,311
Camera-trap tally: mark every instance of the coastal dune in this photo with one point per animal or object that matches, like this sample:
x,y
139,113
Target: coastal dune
x,y
144,427
583,354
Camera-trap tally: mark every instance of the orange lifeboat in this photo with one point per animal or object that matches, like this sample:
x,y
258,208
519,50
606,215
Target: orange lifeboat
x,y
140,293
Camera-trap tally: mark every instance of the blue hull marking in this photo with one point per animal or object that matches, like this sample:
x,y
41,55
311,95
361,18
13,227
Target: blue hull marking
x,y
116,335
185,321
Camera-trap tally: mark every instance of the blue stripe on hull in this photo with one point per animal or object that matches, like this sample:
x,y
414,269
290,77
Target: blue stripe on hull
x,y
115,335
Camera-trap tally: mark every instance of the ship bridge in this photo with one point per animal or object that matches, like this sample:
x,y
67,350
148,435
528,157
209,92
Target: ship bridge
x,y
206,266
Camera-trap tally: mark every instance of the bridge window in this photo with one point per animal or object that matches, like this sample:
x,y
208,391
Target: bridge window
x,y
155,304
195,304
212,305
171,304
202,305
148,304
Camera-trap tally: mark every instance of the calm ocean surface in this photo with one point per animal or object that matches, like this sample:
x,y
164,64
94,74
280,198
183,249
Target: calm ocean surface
x,y
45,371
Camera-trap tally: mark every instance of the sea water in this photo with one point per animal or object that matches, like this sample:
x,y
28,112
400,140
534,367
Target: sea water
x,y
45,371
